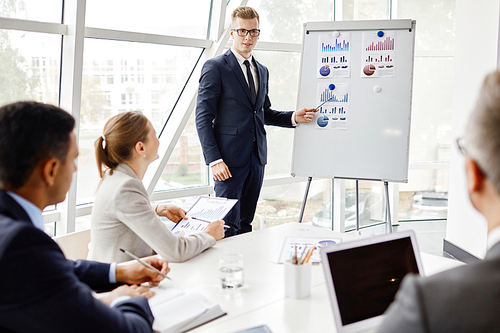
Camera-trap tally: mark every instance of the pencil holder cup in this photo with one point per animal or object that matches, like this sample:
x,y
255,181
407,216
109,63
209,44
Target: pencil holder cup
x,y
297,280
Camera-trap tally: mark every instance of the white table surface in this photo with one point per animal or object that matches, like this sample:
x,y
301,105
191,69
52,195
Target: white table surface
x,y
261,300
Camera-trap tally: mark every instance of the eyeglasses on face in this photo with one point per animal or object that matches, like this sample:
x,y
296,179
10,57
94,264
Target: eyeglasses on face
x,y
461,146
243,32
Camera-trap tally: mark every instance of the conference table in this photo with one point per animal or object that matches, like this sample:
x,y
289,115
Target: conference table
x,y
261,300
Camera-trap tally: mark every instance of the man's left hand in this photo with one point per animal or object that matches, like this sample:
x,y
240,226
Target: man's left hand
x,y
171,212
304,115
137,273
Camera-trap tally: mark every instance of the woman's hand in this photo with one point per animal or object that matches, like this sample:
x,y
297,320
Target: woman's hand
x,y
171,212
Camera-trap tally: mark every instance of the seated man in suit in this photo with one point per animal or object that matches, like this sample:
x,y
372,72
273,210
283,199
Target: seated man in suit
x,y
41,291
465,299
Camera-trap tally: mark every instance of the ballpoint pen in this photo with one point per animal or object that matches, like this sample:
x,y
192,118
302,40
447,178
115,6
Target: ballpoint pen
x,y
197,218
144,263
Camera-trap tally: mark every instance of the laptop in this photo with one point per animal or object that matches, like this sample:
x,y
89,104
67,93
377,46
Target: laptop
x,y
363,277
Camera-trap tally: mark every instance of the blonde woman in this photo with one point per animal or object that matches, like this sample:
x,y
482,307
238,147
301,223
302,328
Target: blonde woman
x,y
122,216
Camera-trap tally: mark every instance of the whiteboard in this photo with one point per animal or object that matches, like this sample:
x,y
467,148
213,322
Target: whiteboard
x,y
372,142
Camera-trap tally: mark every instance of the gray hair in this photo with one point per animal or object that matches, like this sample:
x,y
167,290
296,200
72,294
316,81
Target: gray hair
x,y
482,138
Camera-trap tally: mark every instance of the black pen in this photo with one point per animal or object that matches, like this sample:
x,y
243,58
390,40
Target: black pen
x,y
144,263
197,218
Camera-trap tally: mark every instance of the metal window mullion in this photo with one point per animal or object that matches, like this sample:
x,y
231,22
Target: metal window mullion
x,y
33,26
282,180
338,206
129,36
338,10
274,46
71,92
182,193
217,19
393,5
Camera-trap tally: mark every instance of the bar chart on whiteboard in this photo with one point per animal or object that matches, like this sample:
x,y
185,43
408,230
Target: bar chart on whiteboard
x,y
334,113
378,57
334,57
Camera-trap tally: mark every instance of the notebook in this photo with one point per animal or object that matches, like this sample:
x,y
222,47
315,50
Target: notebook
x,y
178,311
363,277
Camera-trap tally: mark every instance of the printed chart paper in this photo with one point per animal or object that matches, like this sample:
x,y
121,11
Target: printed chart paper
x,y
333,114
378,55
334,56
204,211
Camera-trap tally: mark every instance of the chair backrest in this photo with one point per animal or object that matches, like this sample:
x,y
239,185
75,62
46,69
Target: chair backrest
x,y
74,245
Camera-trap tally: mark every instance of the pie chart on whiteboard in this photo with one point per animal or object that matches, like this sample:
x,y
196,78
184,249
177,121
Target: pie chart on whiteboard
x,y
369,70
325,70
322,121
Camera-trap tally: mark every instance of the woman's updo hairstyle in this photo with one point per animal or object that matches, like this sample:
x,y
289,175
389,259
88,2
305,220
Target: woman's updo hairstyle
x,y
120,135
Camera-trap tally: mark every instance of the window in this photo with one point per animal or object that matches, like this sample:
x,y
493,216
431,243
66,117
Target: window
x,y
282,21
126,95
36,10
154,16
30,66
119,76
186,166
283,86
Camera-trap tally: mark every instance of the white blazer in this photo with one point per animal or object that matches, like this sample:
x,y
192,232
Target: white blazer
x,y
122,217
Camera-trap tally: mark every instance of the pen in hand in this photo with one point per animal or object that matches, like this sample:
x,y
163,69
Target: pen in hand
x,y
131,255
197,218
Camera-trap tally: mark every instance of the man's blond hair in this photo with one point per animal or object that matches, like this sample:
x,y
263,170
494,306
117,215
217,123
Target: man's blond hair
x,y
244,12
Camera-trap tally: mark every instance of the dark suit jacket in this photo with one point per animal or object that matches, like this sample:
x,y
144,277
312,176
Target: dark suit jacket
x,y
464,299
41,291
226,119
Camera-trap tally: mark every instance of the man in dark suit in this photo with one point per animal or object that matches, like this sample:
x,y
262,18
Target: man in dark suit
x,y
41,291
465,299
232,108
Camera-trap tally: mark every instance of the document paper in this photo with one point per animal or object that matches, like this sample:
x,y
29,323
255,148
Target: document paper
x,y
204,211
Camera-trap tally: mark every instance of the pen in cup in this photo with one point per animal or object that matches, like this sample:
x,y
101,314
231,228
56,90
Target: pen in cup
x,y
197,218
144,263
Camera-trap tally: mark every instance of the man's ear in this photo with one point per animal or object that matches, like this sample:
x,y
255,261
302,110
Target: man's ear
x,y
475,176
50,170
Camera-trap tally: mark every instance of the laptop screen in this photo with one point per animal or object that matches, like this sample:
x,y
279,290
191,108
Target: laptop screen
x,y
366,278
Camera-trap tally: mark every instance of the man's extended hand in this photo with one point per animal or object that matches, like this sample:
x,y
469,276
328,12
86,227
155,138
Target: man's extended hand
x,y
221,171
137,273
304,115
171,212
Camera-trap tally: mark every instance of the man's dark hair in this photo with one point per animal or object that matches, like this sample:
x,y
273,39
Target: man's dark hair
x,y
29,133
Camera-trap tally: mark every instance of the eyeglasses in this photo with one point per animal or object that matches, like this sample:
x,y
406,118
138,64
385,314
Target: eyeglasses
x,y
461,146
243,32
463,151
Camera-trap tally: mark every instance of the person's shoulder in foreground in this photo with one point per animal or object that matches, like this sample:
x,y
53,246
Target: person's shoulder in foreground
x,y
467,298
458,300
41,290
